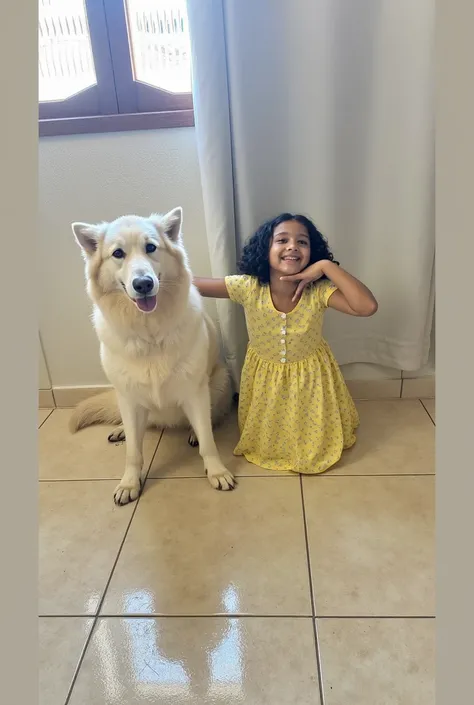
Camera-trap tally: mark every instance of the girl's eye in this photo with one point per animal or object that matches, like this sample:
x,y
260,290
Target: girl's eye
x,y
150,247
118,253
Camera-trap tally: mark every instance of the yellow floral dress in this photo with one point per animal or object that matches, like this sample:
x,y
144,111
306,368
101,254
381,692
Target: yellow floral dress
x,y
295,411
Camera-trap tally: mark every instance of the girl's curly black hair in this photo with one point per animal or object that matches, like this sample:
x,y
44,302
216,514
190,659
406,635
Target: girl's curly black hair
x,y
255,261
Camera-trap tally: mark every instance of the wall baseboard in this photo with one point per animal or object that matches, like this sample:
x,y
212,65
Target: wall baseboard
x,y
66,397
46,399
366,389
361,389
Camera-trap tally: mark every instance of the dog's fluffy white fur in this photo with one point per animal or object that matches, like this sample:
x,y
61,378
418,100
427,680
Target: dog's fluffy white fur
x,y
158,347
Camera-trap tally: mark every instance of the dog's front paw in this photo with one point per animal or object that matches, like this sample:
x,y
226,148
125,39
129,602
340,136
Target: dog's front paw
x,y
221,478
126,493
117,435
192,440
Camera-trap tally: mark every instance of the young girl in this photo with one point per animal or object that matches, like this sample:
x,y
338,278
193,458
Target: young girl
x,y
295,411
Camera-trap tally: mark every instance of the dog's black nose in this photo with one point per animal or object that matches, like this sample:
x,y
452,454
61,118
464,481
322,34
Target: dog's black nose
x,y
142,285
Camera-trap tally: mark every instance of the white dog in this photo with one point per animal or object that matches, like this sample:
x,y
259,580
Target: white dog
x,y
158,348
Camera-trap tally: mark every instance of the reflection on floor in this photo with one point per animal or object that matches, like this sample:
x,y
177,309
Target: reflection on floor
x,y
287,591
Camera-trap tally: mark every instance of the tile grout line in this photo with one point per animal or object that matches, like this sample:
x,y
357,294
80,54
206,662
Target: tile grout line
x,y
236,615
322,617
81,659
308,561
44,420
424,407
153,456
158,615
246,477
326,475
276,476
313,603
319,661
161,479
101,601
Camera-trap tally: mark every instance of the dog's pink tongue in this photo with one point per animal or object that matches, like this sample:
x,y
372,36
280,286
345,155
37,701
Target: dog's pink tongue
x,y
146,304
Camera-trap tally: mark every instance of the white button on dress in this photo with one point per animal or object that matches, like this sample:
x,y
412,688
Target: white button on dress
x,y
283,340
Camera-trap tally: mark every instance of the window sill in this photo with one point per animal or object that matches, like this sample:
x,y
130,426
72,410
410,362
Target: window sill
x,y
115,123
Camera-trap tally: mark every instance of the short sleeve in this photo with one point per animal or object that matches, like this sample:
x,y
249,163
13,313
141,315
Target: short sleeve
x,y
240,288
324,291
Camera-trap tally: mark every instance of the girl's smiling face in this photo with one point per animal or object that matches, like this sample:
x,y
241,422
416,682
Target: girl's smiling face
x,y
289,248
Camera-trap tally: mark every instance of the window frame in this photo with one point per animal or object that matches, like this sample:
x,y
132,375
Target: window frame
x,y
116,102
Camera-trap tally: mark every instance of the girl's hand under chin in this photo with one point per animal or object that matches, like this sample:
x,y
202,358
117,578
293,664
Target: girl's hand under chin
x,y
306,276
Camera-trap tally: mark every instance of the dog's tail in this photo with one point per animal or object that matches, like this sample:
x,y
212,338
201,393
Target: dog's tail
x,y
98,409
103,408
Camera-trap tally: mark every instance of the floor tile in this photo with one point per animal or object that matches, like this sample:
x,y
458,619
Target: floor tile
x,y
61,641
80,532
84,455
394,437
176,458
430,406
419,388
194,551
195,661
371,543
378,661
43,415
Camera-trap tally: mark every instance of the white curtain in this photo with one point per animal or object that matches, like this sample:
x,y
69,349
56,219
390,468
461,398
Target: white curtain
x,y
324,108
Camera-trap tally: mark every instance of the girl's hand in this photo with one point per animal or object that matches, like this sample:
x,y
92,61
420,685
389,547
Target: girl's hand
x,y
305,277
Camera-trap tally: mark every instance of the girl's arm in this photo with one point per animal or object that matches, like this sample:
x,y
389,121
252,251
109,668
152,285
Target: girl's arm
x,y
211,288
351,297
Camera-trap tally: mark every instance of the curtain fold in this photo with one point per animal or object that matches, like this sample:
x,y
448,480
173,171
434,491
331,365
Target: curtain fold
x,y
324,108
214,145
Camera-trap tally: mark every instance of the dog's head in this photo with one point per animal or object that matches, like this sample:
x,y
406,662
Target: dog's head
x,y
133,255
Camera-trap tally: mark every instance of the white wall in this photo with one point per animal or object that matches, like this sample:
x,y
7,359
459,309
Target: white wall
x,y
99,177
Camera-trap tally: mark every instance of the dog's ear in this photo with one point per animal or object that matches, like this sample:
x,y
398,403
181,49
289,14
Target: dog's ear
x,y
172,223
87,237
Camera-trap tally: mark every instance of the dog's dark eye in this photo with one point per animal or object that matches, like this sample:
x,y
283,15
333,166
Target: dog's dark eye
x,y
150,247
118,254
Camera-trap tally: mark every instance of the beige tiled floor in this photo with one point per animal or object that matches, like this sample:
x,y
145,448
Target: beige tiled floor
x,y
287,591
395,437
378,661
177,459
85,455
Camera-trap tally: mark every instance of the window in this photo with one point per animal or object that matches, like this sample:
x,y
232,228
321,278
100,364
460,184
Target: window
x,y
110,65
